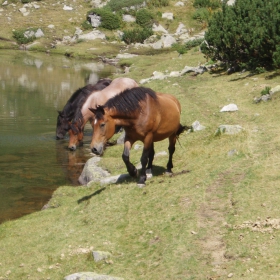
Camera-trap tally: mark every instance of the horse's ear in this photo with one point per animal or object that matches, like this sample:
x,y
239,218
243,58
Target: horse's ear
x,y
59,113
93,110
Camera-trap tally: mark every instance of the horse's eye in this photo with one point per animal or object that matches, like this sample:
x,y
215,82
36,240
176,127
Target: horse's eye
x,y
102,125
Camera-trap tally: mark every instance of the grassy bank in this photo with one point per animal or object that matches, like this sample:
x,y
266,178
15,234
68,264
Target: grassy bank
x,y
208,221
205,222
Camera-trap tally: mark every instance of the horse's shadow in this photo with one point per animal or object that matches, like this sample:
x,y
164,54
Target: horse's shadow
x,y
126,179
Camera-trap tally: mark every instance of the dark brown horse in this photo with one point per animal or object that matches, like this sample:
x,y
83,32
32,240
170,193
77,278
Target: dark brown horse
x,y
83,115
145,115
76,101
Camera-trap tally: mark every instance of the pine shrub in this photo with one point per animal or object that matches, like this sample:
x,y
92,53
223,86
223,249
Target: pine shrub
x,y
246,34
109,20
136,35
117,5
144,18
158,3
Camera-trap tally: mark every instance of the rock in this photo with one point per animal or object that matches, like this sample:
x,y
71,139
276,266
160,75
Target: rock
x,y
128,18
274,90
39,33
126,55
181,29
93,35
166,41
95,20
67,8
196,126
91,172
90,276
99,255
51,26
113,179
168,16
228,129
179,4
229,108
159,28
5,3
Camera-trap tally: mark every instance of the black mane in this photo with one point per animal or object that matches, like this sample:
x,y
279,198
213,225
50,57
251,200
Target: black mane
x,y
129,100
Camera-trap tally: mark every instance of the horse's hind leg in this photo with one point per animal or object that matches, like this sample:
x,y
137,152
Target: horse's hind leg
x,y
125,156
171,149
150,162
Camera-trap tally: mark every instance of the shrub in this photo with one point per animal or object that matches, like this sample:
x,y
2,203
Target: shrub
x,y
108,19
86,25
21,38
246,33
136,35
183,48
265,91
157,3
144,18
117,5
213,4
202,14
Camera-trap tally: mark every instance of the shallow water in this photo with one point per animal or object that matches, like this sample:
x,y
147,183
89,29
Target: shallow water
x,y
32,163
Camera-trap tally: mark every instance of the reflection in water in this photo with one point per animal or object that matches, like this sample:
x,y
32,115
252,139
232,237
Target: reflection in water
x,y
32,163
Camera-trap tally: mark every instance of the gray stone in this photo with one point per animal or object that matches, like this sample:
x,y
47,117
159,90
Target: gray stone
x,y
99,255
179,4
95,20
229,108
126,55
168,16
229,129
92,172
159,28
274,90
196,126
90,276
128,18
113,179
67,8
39,33
93,35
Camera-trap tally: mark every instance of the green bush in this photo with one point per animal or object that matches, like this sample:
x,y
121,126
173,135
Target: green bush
x,y
108,19
86,25
136,35
117,5
183,48
246,33
144,18
213,4
202,14
21,38
157,3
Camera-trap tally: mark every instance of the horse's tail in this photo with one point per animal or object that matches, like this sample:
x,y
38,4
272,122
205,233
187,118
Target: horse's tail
x,y
182,128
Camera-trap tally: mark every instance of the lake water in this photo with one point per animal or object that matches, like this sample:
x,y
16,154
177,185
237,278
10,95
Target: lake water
x,y
32,163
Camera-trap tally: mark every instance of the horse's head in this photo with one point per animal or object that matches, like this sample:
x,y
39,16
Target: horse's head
x,y
75,137
104,129
62,125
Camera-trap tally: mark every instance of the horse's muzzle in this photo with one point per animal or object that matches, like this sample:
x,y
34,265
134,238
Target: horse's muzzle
x,y
98,149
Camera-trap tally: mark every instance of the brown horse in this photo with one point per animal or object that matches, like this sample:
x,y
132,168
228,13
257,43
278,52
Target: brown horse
x,y
83,115
76,100
145,115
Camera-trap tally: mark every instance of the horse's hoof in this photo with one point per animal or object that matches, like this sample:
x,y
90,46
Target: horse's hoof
x,y
141,185
149,173
168,173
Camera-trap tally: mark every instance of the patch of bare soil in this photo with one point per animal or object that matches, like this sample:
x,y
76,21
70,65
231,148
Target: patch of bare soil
x,y
211,219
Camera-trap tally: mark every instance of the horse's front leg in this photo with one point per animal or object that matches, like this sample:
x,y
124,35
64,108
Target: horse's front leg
x,y
147,156
132,170
171,149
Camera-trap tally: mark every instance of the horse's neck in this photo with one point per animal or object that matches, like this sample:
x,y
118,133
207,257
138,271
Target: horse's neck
x,y
90,103
121,119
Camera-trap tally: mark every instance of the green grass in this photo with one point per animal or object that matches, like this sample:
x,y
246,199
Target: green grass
x,y
182,227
